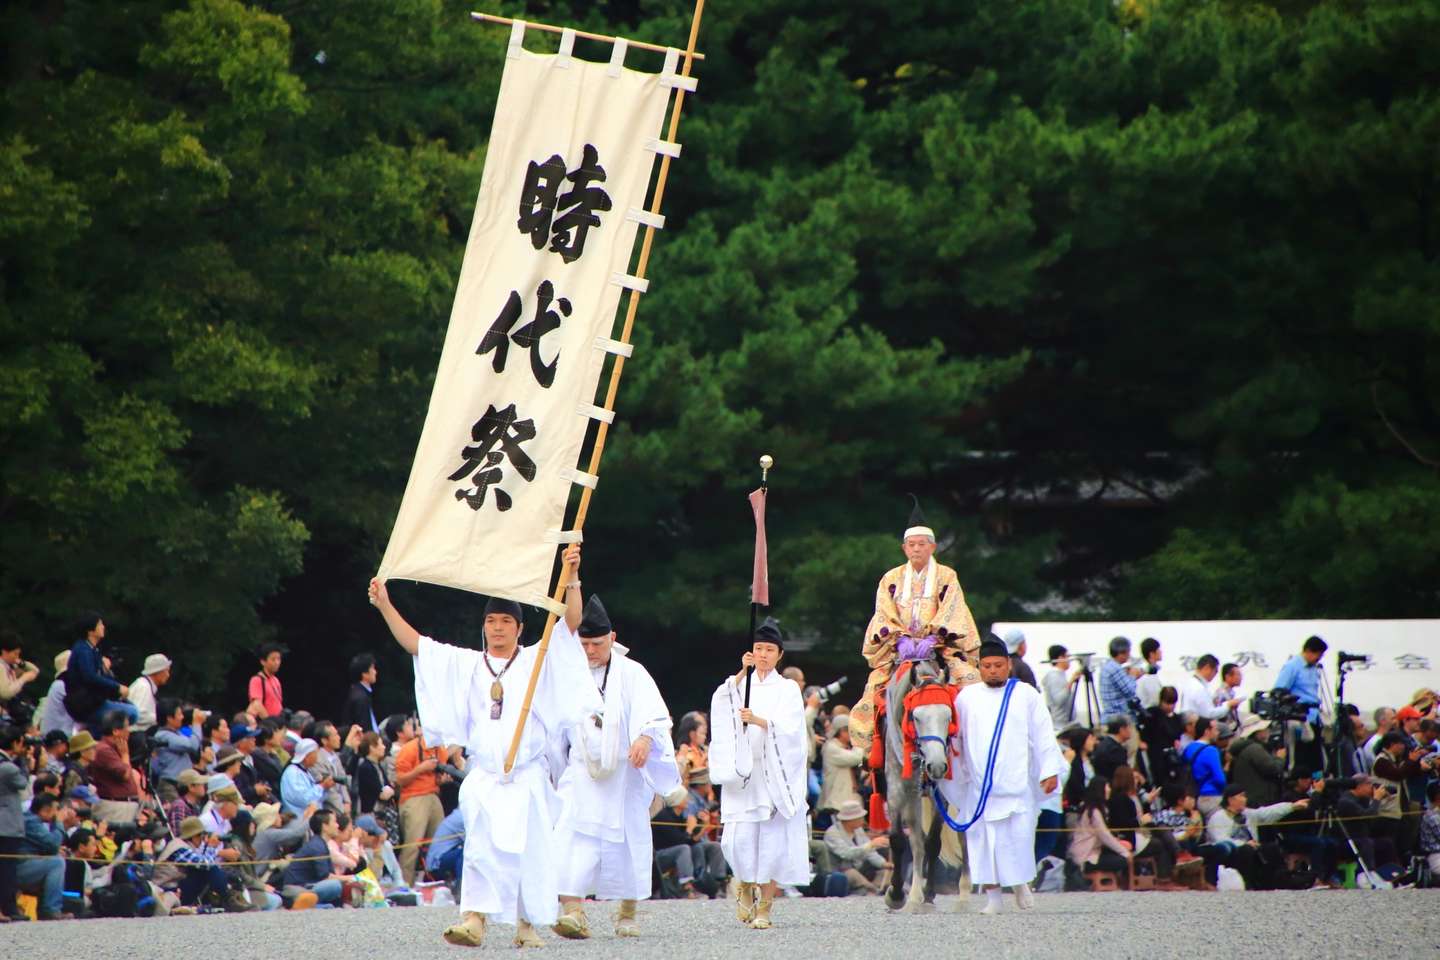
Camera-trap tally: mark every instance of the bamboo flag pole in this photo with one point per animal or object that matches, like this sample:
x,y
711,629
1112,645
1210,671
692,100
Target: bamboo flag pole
x,y
604,428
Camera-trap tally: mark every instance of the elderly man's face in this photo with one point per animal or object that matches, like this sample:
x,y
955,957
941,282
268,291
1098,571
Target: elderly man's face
x,y
919,550
597,649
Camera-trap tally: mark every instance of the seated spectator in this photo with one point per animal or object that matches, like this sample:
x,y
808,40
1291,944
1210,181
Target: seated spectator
x,y
43,874
1125,815
1399,764
53,714
330,767
224,804
153,675
1093,846
1253,767
175,749
1180,820
1206,768
1233,831
345,854
1111,752
91,692
444,857
690,752
253,788
117,782
189,866
1082,744
859,855
699,869
378,852
298,789
279,834
188,803
1359,807
1430,833
228,761
840,767
83,856
15,674
374,793
57,747
248,875
310,870
77,765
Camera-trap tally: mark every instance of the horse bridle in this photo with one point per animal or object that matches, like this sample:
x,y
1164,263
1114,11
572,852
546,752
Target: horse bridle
x,y
918,739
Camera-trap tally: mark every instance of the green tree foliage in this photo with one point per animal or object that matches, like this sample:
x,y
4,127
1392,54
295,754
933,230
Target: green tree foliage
x,y
1143,302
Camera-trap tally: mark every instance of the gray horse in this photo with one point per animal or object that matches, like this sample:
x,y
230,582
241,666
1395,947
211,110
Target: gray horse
x,y
909,800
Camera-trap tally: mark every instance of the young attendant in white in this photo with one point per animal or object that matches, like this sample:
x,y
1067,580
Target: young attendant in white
x,y
1000,846
473,698
614,762
758,756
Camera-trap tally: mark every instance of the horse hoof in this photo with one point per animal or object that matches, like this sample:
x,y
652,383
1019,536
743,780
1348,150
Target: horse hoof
x,y
893,905
919,908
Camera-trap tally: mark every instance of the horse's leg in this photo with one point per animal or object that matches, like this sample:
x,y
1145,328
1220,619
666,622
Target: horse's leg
x,y
895,897
964,875
932,855
915,902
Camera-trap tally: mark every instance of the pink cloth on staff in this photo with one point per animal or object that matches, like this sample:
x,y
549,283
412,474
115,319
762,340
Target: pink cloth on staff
x,y
760,584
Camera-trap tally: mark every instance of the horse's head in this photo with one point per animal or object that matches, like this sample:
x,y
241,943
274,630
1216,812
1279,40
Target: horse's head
x,y
930,718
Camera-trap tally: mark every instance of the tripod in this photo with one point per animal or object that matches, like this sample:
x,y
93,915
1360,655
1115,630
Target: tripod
x,y
1332,823
1086,689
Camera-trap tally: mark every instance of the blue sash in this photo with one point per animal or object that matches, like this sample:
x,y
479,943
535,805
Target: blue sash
x,y
989,779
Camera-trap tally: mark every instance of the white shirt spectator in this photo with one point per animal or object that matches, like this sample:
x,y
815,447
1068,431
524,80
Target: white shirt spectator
x,y
1148,688
142,694
1056,684
1196,698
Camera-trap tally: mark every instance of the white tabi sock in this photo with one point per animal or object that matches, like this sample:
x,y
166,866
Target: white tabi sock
x,y
992,901
1024,899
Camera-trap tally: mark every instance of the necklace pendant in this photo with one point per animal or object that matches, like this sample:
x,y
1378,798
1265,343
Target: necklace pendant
x,y
497,692
495,709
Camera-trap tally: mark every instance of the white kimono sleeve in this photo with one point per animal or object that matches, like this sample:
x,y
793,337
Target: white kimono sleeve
x,y
445,691
566,693
731,762
785,735
650,717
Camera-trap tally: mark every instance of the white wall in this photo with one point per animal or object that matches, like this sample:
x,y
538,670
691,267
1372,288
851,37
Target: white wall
x,y
1404,654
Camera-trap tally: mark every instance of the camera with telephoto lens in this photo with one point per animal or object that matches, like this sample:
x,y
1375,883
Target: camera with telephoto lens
x,y
1278,705
830,689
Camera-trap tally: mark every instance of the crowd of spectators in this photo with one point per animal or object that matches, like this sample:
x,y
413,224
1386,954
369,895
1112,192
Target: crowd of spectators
x,y
120,800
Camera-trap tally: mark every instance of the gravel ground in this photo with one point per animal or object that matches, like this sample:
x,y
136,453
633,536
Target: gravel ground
x,y
1309,925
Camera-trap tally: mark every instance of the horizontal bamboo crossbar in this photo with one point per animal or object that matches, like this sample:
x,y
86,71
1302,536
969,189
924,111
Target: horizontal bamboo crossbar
x,y
549,28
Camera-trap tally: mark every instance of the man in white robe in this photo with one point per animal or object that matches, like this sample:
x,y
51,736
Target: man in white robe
x,y
757,754
473,698
1000,845
615,761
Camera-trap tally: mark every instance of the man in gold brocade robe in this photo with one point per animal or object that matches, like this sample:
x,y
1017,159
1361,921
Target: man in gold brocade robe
x,y
918,599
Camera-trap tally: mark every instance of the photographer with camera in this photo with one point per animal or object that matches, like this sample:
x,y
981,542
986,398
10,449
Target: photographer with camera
x,y
1302,677
1357,802
1118,694
1234,831
1195,694
174,751
91,690
15,673
1396,766
1256,765
842,762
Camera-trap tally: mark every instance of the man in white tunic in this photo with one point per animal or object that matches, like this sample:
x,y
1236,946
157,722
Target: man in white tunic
x,y
473,697
1001,843
614,763
757,754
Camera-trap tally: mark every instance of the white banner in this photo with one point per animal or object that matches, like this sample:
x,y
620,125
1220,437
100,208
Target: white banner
x,y
566,173
1404,654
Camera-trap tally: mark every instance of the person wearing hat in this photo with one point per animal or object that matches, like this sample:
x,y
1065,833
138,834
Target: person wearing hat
x,y
1025,765
861,856
190,867
840,762
298,790
757,757
51,710
920,599
247,779
189,799
618,759
77,765
474,697
1014,640
1235,830
153,675
1254,767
